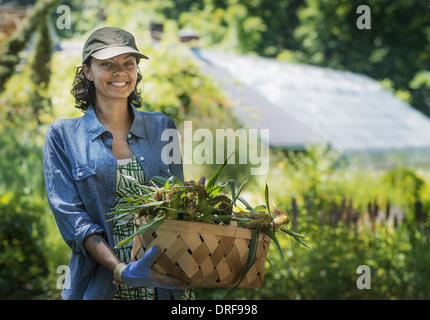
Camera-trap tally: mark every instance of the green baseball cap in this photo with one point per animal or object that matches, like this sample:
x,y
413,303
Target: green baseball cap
x,y
108,42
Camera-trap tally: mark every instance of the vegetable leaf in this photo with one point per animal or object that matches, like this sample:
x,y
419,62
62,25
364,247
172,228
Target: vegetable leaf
x,y
271,235
297,237
211,182
247,205
266,194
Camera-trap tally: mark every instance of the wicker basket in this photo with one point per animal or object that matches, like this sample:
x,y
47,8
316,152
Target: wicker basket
x,y
203,254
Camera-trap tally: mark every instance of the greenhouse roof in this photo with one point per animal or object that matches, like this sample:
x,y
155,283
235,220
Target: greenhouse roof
x,y
302,105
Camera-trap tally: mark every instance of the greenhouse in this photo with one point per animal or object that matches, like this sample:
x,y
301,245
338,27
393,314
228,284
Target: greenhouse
x,y
303,105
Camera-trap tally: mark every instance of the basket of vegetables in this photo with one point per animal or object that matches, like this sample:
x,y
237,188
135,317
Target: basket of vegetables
x,y
205,237
204,254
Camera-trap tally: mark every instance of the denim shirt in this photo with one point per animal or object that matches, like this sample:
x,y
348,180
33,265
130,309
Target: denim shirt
x,y
80,175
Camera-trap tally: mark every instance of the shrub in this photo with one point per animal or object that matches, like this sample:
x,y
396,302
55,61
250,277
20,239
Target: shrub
x,y
23,263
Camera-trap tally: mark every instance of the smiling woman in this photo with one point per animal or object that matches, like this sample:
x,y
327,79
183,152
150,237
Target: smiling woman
x,y
87,162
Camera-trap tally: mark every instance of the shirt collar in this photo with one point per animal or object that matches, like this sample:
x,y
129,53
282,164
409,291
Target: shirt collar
x,y
95,128
138,126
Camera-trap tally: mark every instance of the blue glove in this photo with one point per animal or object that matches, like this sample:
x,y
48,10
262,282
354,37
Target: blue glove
x,y
139,274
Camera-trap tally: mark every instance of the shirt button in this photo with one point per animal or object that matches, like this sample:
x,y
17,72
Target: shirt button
x,y
142,158
80,174
129,135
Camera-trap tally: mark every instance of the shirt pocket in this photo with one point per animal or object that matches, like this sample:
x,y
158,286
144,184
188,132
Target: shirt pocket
x,y
86,183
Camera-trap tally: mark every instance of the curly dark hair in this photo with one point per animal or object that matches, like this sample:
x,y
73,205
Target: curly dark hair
x,y
85,94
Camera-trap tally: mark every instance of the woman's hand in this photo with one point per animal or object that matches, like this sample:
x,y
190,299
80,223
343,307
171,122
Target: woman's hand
x,y
139,274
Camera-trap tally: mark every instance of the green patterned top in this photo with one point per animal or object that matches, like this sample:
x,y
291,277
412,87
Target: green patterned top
x,y
129,174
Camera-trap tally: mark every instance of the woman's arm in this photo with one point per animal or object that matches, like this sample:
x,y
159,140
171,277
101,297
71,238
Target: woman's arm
x,y
96,246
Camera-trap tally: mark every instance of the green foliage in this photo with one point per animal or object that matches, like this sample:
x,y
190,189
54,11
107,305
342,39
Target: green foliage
x,y
230,28
420,90
21,139
9,52
40,70
330,37
329,271
23,261
263,27
23,208
344,234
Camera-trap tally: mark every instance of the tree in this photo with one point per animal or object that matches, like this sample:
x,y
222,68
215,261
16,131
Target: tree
x,y
396,47
262,27
40,67
9,52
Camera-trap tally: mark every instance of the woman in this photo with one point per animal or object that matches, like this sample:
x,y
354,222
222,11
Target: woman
x,y
87,163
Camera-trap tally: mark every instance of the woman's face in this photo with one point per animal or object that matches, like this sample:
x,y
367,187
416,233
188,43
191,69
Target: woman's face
x,y
113,78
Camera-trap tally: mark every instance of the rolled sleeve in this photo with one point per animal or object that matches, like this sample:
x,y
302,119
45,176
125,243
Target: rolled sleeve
x,y
83,231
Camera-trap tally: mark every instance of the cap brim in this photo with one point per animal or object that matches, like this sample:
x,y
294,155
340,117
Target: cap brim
x,y
111,52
